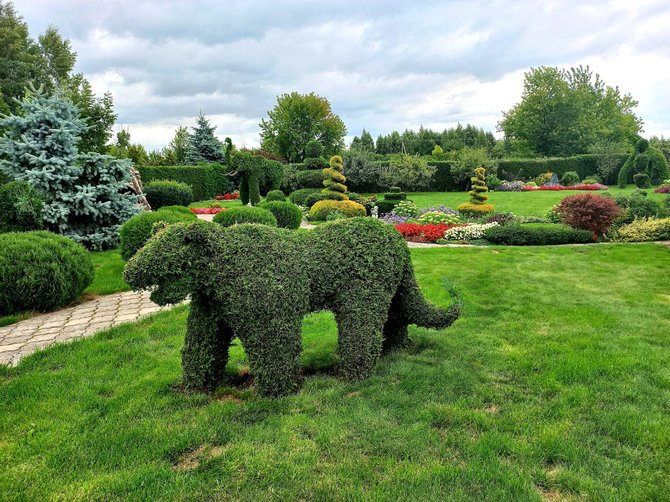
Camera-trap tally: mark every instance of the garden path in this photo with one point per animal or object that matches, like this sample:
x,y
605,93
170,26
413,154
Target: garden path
x,y
25,337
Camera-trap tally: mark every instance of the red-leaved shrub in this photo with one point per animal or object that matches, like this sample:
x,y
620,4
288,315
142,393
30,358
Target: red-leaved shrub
x,y
589,211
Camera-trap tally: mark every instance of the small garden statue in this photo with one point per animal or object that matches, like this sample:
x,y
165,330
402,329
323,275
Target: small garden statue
x,y
358,268
374,212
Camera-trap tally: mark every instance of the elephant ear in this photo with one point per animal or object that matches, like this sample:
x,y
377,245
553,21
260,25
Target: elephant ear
x,y
168,264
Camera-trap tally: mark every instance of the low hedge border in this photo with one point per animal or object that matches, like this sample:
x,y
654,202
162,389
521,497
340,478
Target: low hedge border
x,y
536,234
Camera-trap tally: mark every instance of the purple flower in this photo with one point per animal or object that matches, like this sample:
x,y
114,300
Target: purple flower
x,y
439,209
392,219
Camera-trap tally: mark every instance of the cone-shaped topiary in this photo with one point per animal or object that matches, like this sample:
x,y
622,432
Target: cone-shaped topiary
x,y
478,197
334,180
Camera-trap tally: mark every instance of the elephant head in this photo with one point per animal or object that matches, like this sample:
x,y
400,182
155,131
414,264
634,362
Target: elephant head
x,y
173,264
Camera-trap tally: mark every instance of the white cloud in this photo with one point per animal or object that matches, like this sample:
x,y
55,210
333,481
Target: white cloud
x,y
383,65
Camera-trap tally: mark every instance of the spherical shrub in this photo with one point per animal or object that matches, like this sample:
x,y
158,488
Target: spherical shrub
x,y
20,208
168,193
313,148
322,209
288,215
245,214
570,178
41,271
275,195
137,230
299,197
641,180
589,212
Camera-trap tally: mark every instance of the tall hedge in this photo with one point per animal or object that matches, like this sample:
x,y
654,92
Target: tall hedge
x,y
584,165
206,180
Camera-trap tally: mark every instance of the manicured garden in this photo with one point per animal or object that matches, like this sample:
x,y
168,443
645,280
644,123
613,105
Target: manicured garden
x,y
547,387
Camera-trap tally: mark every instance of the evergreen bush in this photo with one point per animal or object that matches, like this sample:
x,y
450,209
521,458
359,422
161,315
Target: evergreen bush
x,y
137,230
478,197
310,179
334,180
299,197
20,208
168,193
636,206
536,234
206,180
570,178
647,160
244,214
275,195
321,210
41,271
288,215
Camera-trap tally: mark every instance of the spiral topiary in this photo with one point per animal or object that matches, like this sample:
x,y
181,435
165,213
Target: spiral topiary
x,y
478,197
334,180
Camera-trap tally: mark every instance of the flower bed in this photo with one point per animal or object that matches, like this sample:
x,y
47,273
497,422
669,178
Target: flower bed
x,y
464,233
207,210
555,188
227,196
416,232
663,189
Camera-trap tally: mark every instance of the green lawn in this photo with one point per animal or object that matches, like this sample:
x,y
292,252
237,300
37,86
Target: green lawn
x,y
108,273
224,203
555,383
520,203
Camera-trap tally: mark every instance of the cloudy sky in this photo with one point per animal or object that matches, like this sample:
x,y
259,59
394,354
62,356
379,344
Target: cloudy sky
x,y
383,65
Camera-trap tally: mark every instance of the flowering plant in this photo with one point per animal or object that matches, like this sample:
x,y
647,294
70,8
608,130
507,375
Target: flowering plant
x,y
510,186
592,186
228,196
416,232
406,208
469,232
436,217
665,188
207,210
392,218
439,209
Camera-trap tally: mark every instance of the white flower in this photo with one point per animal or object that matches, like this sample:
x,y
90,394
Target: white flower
x,y
473,231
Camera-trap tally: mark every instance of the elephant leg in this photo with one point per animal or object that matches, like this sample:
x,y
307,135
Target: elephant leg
x,y
205,351
395,329
360,337
274,355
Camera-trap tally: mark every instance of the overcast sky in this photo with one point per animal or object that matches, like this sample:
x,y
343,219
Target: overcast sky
x,y
383,65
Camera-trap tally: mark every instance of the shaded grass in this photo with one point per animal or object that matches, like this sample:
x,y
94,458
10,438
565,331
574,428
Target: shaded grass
x,y
108,273
554,383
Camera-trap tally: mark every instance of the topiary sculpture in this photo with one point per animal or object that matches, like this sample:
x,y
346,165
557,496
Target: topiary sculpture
x,y
334,180
644,160
477,204
358,268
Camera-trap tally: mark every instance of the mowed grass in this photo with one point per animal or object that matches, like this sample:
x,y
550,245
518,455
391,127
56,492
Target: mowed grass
x,y
535,203
108,273
554,384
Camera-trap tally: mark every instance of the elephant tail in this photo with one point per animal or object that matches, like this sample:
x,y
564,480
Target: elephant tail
x,y
416,309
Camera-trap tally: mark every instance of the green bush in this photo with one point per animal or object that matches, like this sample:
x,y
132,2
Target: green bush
x,y
315,163
41,271
536,234
312,178
299,197
168,193
386,206
206,180
322,209
137,230
570,178
359,268
288,215
313,148
645,159
641,180
273,195
20,208
244,214
644,230
313,198
636,206
528,169
395,196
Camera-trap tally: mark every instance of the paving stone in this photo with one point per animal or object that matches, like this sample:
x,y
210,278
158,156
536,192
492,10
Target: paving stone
x,y
11,347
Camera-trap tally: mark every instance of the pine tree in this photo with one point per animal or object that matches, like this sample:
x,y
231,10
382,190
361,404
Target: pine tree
x,y
334,180
203,145
86,196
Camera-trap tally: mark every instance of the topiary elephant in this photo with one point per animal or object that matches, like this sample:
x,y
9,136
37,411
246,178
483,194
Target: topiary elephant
x,y
257,283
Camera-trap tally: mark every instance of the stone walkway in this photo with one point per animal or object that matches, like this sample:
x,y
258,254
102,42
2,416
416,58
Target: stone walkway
x,y
25,337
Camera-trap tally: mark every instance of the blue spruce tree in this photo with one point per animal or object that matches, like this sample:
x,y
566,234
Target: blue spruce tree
x,y
86,196
203,146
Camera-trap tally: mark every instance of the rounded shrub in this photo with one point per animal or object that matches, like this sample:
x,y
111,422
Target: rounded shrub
x,y
274,195
313,148
645,230
299,197
570,178
168,193
588,211
313,198
41,271
637,206
323,208
137,230
312,178
245,214
287,214
20,208
641,180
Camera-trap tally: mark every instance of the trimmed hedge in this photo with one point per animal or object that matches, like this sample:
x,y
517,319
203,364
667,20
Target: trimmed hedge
x,y
206,180
536,234
244,214
20,208
300,196
137,230
41,271
312,178
288,215
349,208
584,165
168,193
275,195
